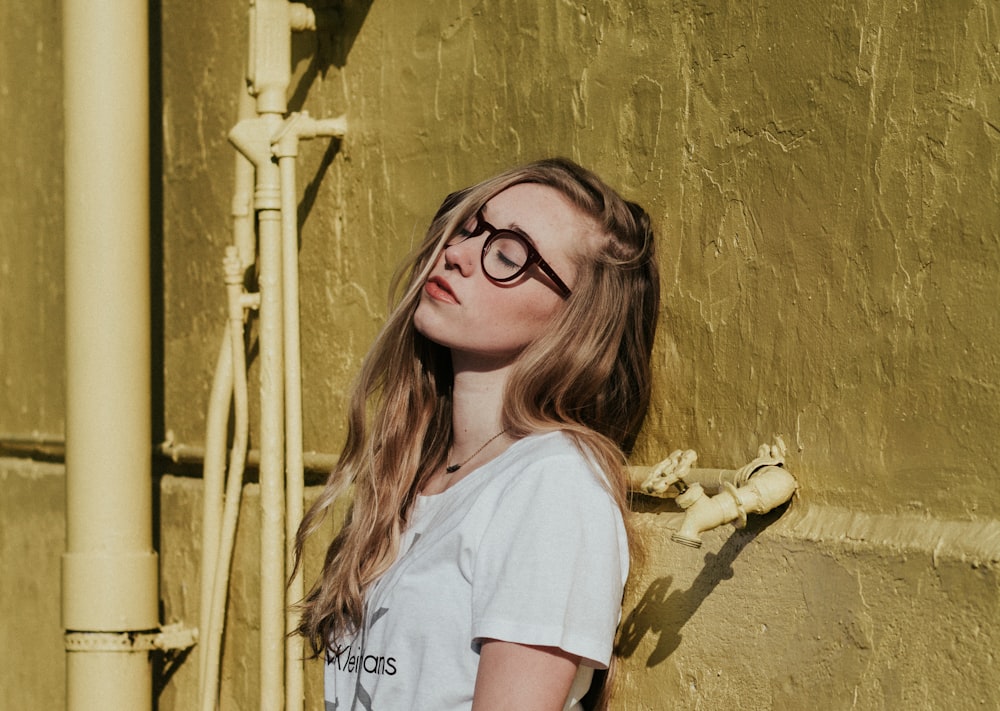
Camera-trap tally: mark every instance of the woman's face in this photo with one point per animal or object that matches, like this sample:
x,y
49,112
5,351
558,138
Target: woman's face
x,y
462,309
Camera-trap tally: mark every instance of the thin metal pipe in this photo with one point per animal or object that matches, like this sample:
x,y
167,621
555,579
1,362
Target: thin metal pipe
x,y
213,484
272,488
269,75
217,417
215,620
286,147
109,568
253,139
294,475
313,462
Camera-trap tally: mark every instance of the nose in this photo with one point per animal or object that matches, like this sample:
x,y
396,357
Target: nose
x,y
462,256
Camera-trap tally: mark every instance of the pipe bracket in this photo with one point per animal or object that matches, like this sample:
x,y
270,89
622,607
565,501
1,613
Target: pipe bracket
x,y
169,637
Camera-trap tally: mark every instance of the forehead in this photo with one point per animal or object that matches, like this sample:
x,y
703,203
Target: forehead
x,y
552,222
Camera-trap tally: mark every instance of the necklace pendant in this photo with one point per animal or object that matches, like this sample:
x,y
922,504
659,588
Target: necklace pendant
x,y
452,468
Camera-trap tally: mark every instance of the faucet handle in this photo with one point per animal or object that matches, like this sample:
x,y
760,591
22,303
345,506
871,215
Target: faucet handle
x,y
669,472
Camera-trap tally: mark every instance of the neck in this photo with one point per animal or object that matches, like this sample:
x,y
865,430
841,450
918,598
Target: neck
x,y
477,404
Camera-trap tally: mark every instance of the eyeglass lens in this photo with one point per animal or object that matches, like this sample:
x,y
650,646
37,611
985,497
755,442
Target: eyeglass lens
x,y
505,256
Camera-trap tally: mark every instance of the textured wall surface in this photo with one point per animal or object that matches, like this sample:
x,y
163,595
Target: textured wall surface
x,y
825,182
874,613
31,222
32,537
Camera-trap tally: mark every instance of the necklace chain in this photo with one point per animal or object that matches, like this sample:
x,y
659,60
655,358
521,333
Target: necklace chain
x,y
452,468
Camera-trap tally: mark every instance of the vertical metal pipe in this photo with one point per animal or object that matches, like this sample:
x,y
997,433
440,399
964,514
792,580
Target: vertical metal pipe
x,y
107,680
294,480
253,139
269,74
217,424
109,568
272,480
272,528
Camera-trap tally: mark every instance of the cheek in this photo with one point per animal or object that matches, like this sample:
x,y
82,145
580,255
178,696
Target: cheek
x,y
531,317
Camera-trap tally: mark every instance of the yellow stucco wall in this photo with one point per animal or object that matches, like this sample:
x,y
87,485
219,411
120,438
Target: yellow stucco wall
x,y
825,182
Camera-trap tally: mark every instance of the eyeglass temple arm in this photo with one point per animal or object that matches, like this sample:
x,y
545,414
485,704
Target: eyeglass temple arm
x,y
544,266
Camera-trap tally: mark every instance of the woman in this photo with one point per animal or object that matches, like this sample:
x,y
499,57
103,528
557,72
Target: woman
x,y
485,552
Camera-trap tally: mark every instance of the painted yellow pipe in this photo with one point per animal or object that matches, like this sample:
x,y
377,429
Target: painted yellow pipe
x,y
313,462
294,470
213,485
285,147
253,139
272,480
109,568
218,554
214,574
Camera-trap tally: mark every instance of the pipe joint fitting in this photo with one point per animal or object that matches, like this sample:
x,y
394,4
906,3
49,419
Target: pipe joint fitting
x,y
232,266
252,138
267,198
301,17
301,126
703,513
238,299
250,300
740,520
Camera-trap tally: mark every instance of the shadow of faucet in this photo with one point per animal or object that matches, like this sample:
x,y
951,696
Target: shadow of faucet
x,y
664,613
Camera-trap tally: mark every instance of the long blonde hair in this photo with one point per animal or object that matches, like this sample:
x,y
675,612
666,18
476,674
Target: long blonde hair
x,y
589,375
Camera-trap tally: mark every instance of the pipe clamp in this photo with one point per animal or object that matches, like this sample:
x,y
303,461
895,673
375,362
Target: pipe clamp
x,y
166,638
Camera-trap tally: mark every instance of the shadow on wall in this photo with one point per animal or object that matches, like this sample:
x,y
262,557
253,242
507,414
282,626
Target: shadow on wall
x,y
311,190
328,47
338,25
664,613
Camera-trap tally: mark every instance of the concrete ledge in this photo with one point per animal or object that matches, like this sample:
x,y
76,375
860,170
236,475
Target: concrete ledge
x,y
976,542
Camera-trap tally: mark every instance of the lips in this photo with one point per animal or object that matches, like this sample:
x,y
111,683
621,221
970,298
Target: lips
x,y
439,289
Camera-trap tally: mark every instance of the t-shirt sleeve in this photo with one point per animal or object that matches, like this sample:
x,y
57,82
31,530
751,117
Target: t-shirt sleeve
x,y
552,562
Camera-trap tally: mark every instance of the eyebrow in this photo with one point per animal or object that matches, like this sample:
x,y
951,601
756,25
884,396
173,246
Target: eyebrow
x,y
514,227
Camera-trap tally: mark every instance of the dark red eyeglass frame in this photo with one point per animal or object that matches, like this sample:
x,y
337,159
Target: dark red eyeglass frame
x,y
533,256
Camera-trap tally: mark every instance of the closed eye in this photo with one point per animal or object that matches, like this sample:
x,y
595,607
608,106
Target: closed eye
x,y
507,262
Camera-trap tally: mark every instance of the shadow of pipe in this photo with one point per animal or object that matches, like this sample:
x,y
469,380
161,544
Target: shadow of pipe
x,y
329,46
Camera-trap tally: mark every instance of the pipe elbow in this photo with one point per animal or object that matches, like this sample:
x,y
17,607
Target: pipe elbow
x,y
767,489
252,138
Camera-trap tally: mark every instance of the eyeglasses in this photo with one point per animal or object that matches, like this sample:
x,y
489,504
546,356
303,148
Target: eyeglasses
x,y
507,254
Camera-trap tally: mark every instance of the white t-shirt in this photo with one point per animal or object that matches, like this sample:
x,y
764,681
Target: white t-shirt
x,y
529,548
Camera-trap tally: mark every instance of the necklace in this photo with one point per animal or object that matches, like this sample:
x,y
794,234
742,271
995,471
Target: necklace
x,y
452,468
